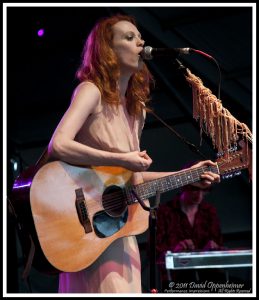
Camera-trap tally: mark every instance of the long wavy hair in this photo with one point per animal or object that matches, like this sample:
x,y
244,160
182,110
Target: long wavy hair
x,y
100,65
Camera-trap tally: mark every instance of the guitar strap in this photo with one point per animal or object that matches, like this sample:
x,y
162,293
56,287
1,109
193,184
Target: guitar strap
x,y
41,161
43,158
183,139
27,243
23,236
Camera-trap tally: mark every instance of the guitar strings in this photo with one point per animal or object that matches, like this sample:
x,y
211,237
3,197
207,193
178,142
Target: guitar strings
x,y
141,188
113,200
145,185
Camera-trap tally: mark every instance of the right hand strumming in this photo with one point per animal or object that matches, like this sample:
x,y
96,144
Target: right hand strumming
x,y
137,161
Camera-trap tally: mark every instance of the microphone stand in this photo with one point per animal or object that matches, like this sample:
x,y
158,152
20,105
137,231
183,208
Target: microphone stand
x,y
152,238
153,210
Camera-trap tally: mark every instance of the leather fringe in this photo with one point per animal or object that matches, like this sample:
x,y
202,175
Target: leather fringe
x,y
215,120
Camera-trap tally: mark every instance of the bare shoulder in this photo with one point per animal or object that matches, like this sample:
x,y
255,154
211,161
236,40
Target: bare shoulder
x,y
87,88
86,96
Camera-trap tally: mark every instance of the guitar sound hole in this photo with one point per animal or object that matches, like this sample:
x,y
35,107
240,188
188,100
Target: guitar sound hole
x,y
114,201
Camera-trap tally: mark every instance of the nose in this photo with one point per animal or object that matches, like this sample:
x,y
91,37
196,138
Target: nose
x,y
141,42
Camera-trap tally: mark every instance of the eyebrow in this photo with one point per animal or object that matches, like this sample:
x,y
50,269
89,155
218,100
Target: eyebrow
x,y
130,31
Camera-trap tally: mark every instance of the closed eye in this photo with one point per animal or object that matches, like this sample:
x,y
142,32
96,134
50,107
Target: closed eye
x,y
130,38
131,35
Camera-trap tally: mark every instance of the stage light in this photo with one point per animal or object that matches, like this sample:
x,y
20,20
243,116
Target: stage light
x,y
41,32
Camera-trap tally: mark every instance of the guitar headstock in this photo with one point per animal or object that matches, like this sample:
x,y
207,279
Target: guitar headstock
x,y
232,163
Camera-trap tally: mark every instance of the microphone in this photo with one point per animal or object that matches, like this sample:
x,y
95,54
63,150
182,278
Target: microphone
x,y
149,53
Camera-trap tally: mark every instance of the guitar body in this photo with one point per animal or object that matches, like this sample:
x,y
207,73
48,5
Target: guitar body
x,y
74,213
67,243
20,199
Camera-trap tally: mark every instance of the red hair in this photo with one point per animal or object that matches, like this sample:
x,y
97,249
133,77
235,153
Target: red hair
x,y
99,65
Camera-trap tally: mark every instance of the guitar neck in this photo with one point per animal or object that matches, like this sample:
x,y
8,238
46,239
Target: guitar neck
x,y
167,183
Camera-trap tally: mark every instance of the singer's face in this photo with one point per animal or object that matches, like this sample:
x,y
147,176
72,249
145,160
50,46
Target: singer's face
x,y
127,44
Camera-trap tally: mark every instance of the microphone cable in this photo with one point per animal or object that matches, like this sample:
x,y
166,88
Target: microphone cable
x,y
217,64
147,54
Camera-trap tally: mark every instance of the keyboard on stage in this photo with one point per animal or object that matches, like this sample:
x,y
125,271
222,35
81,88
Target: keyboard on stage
x,y
208,259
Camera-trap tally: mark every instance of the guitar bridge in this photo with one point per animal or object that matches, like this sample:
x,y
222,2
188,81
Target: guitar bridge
x,y
82,211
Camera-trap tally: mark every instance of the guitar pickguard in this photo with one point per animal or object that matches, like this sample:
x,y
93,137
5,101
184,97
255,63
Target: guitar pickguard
x,y
105,225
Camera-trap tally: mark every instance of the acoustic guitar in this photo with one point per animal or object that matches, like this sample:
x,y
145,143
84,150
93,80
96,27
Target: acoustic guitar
x,y
74,213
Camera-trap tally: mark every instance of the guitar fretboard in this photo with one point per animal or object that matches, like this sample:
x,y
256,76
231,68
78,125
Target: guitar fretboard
x,y
164,184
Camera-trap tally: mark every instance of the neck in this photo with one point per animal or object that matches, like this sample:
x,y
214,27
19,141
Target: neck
x,y
123,85
167,183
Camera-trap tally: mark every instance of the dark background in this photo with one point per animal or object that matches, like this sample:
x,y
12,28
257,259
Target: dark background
x,y
41,79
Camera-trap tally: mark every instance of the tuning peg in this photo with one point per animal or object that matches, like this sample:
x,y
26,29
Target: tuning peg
x,y
232,149
231,175
219,154
227,176
237,173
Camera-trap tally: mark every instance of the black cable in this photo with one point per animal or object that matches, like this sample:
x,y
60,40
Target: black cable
x,y
215,61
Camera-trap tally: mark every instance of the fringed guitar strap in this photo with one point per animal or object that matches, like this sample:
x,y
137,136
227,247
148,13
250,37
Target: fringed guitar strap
x,y
216,121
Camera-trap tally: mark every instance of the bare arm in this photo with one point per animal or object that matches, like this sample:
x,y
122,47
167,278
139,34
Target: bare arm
x,y
63,146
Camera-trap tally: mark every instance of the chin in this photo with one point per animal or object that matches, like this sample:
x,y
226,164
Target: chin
x,y
196,200
138,65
